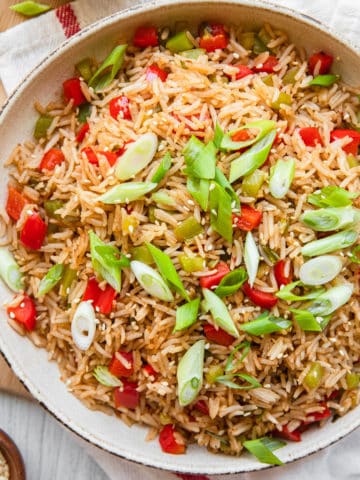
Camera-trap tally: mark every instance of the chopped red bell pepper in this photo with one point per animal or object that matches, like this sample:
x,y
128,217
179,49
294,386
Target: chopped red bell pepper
x,y
102,300
280,275
122,150
213,37
146,37
213,280
24,313
150,371
51,158
268,66
243,71
15,203
153,71
171,441
318,416
240,136
294,436
72,91
218,335
202,406
90,155
111,157
333,395
33,232
82,132
310,136
258,297
353,146
120,106
324,65
127,396
122,364
248,219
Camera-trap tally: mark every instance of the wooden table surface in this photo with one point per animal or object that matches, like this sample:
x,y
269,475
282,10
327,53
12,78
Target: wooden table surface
x,y
49,451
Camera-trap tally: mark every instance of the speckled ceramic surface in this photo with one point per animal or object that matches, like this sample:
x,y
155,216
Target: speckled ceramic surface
x,y
16,123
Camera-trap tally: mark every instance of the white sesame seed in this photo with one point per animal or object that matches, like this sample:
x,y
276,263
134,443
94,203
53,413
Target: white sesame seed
x,y
190,202
12,315
212,186
29,212
97,309
236,55
22,305
131,228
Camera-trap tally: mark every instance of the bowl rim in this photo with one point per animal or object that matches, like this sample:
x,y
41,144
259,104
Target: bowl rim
x,y
69,43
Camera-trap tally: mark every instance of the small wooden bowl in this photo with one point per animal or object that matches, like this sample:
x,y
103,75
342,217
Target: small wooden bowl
x,y
12,456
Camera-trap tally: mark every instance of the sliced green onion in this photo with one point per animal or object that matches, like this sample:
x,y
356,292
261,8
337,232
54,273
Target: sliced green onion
x,y
352,380
251,258
231,282
220,211
84,112
137,156
127,192
262,449
84,68
324,80
253,158
265,324
264,127
186,315
162,169
308,322
269,255
219,312
230,361
199,190
103,376
226,185
218,135
252,183
190,373
200,159
320,270
142,254
314,376
179,42
227,381
191,264
67,280
151,281
168,270
332,196
332,218
83,325
10,271
41,126
108,70
331,300
283,99
163,198
354,254
193,54
285,292
30,8
188,229
49,281
281,177
330,243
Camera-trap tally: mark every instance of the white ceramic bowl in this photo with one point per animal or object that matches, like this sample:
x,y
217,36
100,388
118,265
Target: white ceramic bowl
x,y
16,123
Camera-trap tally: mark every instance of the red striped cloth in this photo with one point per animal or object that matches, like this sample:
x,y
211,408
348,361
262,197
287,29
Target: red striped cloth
x,y
67,18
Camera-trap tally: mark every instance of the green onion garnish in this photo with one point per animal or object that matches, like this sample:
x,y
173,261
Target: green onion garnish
x,y
162,169
30,8
179,42
162,198
49,281
320,270
199,190
193,54
190,373
218,135
332,196
270,256
219,312
324,80
186,315
309,322
41,126
354,254
226,185
127,192
263,127
253,158
188,229
220,211
331,300
67,280
227,380
10,271
285,293
252,183
142,254
231,282
137,156
262,449
332,218
330,243
168,270
84,112
108,70
265,323
103,376
281,177
200,159
151,281
251,258
230,361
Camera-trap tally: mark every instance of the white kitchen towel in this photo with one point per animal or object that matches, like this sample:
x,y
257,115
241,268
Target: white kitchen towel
x,y
21,48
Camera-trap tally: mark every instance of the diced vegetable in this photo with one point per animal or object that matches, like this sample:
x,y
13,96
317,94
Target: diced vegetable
x,y
51,158
119,106
330,243
213,37
30,8
331,218
324,80
10,271
41,126
282,99
308,322
151,281
247,40
253,158
142,254
285,293
282,273
248,219
199,189
268,66
188,229
193,54
310,136
51,279
83,325
153,72
111,157
190,373
252,183
202,407
331,300
186,315
84,112
122,364
351,147
213,280
150,371
232,141
258,297
24,313
67,280
251,258
215,371
218,335
293,436
84,68
171,441
137,156
33,232
352,380
72,91
269,255
127,395
220,205
82,132
321,62
127,192
146,37
108,70
219,312
103,376
332,196
15,203
101,300
243,71
163,168
265,324
262,449
314,376
226,185
354,254
281,177
162,198
352,161
200,159
191,264
179,42
289,77
231,283
227,380
320,270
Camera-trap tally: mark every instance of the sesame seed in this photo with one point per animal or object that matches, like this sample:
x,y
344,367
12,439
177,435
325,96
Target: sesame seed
x,y
190,202
236,55
214,212
131,228
29,212
212,186
22,305
97,309
12,315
